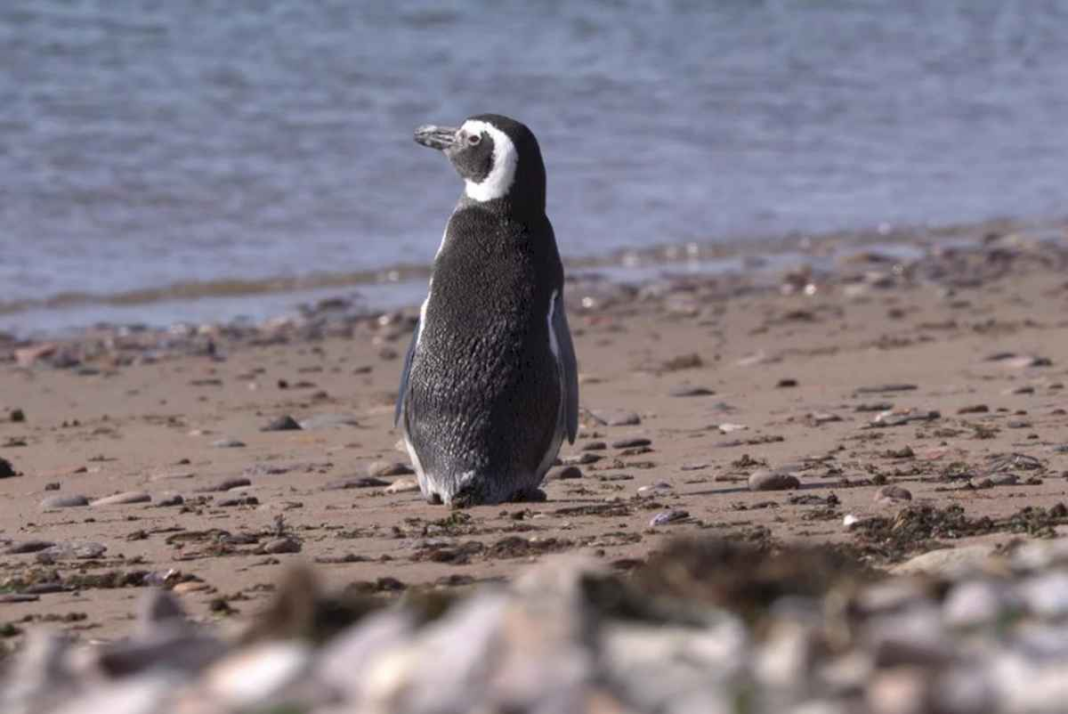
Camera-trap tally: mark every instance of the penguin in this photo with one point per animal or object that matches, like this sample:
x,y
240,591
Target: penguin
x,y
489,388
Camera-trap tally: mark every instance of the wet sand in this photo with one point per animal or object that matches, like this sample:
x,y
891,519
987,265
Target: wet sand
x,y
942,375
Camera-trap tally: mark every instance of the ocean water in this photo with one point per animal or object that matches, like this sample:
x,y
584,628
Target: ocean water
x,y
206,152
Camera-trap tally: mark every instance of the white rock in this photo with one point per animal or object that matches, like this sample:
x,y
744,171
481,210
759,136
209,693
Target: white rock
x,y
974,603
254,675
948,562
149,694
1046,595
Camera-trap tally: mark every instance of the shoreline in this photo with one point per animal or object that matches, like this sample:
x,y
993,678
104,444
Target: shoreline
x,y
66,315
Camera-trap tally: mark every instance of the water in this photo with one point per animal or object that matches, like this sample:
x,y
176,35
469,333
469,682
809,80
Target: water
x,y
146,144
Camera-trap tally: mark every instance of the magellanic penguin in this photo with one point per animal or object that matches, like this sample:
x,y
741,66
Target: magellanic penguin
x,y
490,383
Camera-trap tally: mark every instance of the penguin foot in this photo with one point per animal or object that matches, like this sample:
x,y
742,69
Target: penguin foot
x,y
433,499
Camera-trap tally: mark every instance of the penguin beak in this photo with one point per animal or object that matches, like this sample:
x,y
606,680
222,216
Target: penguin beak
x,y
436,137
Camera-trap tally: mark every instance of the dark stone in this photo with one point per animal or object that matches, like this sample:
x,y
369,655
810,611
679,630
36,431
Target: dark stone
x,y
283,423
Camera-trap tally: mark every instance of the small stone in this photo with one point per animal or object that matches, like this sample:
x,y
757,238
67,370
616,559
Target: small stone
x,y
17,416
974,409
127,497
227,484
18,597
581,459
388,468
282,423
169,500
665,517
28,546
659,488
329,421
884,388
281,545
53,502
631,443
6,469
190,586
690,391
594,446
73,551
616,418
998,479
786,383
888,495
238,501
228,444
728,428
403,485
1025,361
566,473
821,418
765,480
343,484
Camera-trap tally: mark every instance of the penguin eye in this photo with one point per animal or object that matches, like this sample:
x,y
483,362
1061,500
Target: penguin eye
x,y
474,139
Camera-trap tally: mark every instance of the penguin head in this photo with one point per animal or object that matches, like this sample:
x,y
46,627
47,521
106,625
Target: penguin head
x,y
498,158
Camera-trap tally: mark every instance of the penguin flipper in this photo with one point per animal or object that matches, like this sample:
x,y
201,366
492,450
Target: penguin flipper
x,y
402,393
568,365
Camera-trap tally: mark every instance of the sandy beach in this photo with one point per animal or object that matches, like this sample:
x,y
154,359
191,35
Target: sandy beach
x,y
928,390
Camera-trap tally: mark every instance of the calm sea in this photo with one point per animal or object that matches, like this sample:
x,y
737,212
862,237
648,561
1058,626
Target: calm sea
x,y
166,153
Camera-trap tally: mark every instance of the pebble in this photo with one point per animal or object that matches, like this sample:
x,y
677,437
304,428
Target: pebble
x,y
403,485
282,423
631,443
172,475
655,489
786,383
821,418
388,468
884,388
581,459
124,498
18,597
226,484
998,479
6,469
594,446
228,444
73,551
616,418
891,494
900,418
565,474
169,500
765,480
328,421
28,546
665,517
73,501
728,428
281,545
343,484
191,586
238,501
690,391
